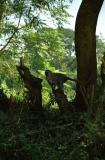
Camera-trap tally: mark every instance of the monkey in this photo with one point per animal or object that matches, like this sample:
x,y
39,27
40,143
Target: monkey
x,y
57,80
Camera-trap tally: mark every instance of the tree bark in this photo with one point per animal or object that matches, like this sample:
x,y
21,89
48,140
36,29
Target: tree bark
x,y
34,86
85,46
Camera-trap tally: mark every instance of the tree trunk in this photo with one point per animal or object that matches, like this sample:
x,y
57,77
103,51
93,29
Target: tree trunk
x,y
85,46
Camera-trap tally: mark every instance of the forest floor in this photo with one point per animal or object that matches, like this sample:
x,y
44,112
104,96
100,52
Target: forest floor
x,y
55,136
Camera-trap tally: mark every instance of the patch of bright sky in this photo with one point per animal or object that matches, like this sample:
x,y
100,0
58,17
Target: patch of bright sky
x,y
101,19
73,11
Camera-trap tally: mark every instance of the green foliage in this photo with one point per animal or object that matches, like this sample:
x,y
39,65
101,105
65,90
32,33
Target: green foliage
x,y
47,48
44,49
71,136
100,45
23,135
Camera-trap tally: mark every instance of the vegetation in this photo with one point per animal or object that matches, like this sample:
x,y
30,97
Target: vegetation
x,y
33,124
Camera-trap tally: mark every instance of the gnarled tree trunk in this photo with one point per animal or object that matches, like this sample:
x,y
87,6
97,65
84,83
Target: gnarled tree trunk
x,y
85,46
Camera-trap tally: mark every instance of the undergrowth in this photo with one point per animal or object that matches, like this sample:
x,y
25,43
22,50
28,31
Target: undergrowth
x,y
54,136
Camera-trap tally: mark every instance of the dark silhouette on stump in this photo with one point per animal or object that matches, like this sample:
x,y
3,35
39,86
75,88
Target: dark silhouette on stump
x,y
34,86
56,81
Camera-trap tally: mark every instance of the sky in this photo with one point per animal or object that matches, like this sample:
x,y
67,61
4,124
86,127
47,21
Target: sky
x,y
100,30
101,19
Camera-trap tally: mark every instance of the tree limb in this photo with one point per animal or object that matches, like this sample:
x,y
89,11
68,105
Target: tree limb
x,y
9,40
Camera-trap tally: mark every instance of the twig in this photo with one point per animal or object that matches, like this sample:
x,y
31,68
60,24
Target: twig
x,y
16,30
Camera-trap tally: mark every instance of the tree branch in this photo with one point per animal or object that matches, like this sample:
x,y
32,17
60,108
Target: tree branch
x,y
9,40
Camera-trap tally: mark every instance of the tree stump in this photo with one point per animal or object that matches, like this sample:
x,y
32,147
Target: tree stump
x,y
34,86
61,99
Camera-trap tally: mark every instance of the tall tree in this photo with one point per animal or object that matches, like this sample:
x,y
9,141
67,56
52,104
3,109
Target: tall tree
x,y
85,46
